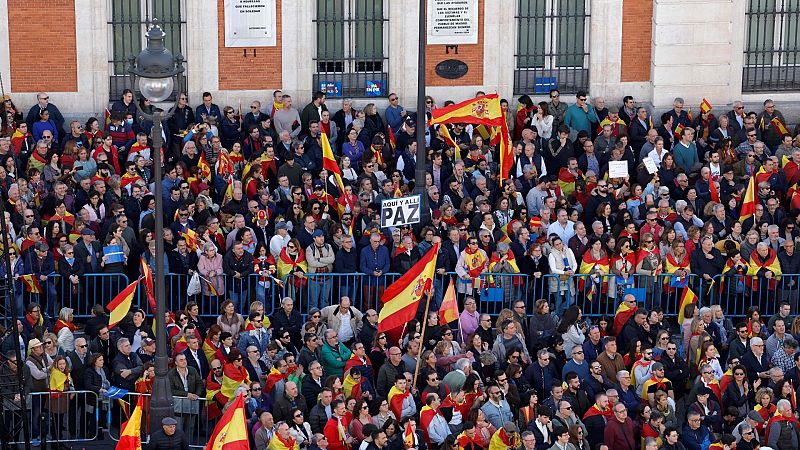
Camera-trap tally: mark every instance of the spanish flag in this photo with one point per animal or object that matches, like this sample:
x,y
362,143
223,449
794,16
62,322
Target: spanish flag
x,y
757,266
501,440
121,304
224,164
392,141
231,430
705,106
396,397
726,379
275,376
679,130
147,274
329,163
623,314
232,378
408,436
351,387
749,203
191,238
779,126
287,265
483,110
661,384
212,290
448,312
205,169
566,180
401,298
506,149
59,381
712,188
130,436
687,297
450,142
31,284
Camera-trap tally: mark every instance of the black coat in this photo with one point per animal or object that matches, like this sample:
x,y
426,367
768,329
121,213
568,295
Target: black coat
x,y
754,365
92,382
292,323
160,441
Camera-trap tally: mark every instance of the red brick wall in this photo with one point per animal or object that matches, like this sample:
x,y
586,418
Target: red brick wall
x,y
637,34
43,54
472,54
260,69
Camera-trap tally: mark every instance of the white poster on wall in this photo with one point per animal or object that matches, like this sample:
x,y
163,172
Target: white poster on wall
x,y
452,22
250,23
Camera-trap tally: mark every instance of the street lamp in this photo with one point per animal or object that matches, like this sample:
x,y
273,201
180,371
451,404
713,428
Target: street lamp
x,y
422,118
157,72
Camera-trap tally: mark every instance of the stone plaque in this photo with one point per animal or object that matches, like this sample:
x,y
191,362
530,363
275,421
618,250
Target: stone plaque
x,y
250,23
452,69
452,21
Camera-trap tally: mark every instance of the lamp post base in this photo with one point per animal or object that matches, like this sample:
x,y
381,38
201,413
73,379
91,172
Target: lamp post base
x,y
161,400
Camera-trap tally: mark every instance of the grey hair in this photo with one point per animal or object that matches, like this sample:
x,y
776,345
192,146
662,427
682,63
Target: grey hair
x,y
622,373
762,245
775,371
462,364
705,310
121,342
329,333
756,341
650,441
783,404
541,352
240,390
64,313
772,228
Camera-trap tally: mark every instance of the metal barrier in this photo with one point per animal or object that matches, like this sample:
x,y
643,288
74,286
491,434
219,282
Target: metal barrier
x,y
91,289
741,292
70,416
191,416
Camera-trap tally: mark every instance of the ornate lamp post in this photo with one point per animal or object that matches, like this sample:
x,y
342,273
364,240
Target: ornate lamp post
x,y
157,71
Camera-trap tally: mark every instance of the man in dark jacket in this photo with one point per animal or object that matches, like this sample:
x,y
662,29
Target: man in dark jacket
x,y
369,327
291,399
789,264
186,386
237,265
706,261
288,319
695,435
313,383
169,437
675,369
127,366
321,412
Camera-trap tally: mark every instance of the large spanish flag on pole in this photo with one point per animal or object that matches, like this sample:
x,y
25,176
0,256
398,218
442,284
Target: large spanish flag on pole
x,y
329,163
231,430
483,110
130,438
401,298
121,304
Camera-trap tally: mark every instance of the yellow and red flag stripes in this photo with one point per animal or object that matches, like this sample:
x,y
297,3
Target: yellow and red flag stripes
x,y
679,130
780,126
329,163
147,274
448,312
749,202
408,436
687,297
758,266
712,188
191,238
31,284
231,430
624,312
396,398
705,106
483,110
205,169
392,141
130,436
450,142
232,378
121,304
506,149
401,298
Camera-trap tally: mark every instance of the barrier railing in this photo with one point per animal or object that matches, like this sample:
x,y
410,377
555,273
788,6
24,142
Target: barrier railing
x,y
597,296
191,415
70,416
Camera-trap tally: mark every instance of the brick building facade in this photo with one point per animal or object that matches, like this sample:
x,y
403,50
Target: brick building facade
x,y
651,49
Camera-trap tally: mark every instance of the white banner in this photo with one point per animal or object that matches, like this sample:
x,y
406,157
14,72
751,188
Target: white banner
x,y
397,212
250,23
452,22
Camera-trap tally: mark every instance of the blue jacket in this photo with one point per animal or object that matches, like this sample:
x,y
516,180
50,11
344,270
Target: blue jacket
x,y
698,439
374,260
580,120
346,262
353,152
213,111
685,157
393,117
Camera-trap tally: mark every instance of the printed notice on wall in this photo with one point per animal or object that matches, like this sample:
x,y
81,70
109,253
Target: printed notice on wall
x,y
452,22
250,23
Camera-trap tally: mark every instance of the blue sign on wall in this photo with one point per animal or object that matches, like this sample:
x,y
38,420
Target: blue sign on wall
x,y
331,88
375,88
543,85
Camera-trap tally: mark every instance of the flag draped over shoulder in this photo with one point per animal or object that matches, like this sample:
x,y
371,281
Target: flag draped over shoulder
x,y
624,312
779,126
396,398
121,304
402,297
231,430
687,297
131,431
232,378
483,110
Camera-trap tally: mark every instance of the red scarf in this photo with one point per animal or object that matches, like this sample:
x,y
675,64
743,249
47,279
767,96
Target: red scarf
x,y
64,324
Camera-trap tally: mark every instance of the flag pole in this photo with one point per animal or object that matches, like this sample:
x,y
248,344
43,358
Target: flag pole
x,y
422,336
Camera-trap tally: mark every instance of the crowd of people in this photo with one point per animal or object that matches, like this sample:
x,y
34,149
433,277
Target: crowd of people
x,y
248,196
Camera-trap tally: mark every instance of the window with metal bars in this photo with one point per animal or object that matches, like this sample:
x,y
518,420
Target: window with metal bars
x,y
552,46
772,48
352,48
128,22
